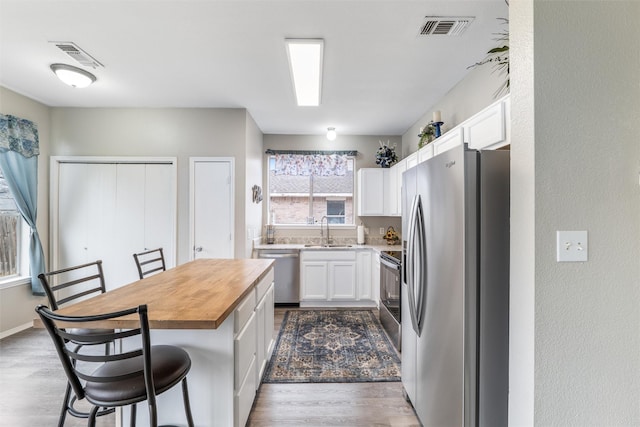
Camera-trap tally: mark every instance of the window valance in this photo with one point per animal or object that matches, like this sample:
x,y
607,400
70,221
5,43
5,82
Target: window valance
x,y
317,163
19,135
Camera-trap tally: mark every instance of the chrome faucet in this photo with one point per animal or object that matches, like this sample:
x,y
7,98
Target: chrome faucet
x,y
321,233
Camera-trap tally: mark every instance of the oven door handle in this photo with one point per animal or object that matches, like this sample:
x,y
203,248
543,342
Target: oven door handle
x,y
389,264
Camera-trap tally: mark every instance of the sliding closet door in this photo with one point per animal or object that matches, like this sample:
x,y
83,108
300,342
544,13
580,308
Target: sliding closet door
x,y
145,215
160,210
110,210
85,213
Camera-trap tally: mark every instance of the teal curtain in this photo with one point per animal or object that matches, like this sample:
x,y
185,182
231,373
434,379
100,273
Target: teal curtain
x,y
19,149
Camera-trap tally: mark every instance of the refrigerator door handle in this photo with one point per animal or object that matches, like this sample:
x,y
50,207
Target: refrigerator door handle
x,y
422,269
412,263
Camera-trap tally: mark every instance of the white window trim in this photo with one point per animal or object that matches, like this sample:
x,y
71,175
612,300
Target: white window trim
x,y
23,261
311,226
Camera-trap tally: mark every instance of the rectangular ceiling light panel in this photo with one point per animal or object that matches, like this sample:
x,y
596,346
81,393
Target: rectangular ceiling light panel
x,y
305,64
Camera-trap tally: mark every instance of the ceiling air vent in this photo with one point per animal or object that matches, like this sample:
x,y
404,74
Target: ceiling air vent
x,y
79,55
445,25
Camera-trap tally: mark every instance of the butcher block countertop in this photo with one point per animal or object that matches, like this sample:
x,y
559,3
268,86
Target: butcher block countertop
x,y
197,295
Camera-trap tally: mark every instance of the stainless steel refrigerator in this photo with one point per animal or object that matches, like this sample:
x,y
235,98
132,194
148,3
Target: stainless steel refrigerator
x,y
455,294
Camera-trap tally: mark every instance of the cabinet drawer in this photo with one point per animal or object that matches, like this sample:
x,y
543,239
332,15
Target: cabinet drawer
x,y
264,284
243,398
244,311
244,348
325,255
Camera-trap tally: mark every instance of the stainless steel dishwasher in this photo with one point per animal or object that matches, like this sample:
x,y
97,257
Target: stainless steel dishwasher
x,y
287,274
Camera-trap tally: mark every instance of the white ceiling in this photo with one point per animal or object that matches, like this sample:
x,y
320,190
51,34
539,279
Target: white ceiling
x,y
380,76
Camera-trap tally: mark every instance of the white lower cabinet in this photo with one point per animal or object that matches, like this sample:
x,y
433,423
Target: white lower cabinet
x,y
342,279
375,275
365,281
252,345
244,348
264,320
333,278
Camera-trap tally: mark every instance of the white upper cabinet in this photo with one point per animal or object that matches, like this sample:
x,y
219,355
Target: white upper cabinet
x,y
425,153
449,140
490,129
373,183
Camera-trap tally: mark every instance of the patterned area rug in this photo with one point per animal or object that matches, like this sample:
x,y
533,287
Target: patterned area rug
x,y
321,346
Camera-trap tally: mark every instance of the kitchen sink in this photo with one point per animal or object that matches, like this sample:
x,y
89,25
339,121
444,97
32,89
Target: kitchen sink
x,y
326,246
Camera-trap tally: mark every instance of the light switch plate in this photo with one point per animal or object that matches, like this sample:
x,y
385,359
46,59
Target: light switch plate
x,y
572,246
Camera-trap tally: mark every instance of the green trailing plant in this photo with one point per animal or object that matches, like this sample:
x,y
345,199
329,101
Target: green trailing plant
x,y
499,57
427,134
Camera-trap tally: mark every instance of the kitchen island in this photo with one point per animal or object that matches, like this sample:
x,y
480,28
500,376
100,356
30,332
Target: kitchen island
x,y
221,313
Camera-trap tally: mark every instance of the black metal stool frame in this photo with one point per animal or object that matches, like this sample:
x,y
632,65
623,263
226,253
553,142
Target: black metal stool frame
x,y
91,283
95,383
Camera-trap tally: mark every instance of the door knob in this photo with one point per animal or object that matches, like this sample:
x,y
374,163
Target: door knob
x,y
198,249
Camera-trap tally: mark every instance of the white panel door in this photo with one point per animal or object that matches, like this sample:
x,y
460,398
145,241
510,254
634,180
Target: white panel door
x,y
212,208
108,209
159,210
86,206
121,268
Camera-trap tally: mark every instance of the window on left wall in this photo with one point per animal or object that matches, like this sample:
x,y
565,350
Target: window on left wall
x,y
12,234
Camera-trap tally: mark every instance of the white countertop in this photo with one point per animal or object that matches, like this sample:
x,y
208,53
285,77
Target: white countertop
x,y
301,246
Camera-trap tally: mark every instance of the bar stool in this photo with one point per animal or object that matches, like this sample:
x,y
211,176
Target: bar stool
x,y
150,262
116,380
71,284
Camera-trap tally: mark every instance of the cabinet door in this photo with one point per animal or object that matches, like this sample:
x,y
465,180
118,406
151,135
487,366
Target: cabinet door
x,y
375,276
401,168
261,361
342,280
451,139
265,321
487,129
314,279
371,184
364,275
425,153
269,324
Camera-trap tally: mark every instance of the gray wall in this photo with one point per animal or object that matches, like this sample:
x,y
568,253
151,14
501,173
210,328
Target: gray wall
x,y
470,96
183,133
180,133
576,160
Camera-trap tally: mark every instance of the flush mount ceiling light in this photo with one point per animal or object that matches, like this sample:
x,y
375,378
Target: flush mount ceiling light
x,y
73,76
305,64
331,134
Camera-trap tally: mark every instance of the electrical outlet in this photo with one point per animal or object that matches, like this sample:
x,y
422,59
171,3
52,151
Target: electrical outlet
x,y
572,246
366,230
382,231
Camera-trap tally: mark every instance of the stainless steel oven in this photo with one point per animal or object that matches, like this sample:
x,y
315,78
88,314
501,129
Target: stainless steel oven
x,y
390,267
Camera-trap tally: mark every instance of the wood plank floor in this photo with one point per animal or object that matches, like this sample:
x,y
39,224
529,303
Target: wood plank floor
x,y
32,385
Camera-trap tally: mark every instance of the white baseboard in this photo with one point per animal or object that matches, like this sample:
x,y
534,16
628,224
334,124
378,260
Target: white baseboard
x,y
15,330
